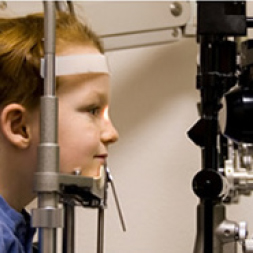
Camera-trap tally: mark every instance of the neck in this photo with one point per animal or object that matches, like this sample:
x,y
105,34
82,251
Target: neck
x,y
16,179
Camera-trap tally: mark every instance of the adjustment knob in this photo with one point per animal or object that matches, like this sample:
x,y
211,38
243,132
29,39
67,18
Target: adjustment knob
x,y
208,184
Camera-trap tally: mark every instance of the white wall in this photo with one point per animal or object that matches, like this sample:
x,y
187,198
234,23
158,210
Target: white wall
x,y
154,104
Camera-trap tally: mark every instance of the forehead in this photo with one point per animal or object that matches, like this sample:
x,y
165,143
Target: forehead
x,y
78,49
84,83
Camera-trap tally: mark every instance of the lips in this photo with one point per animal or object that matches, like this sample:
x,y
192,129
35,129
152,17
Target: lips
x,y
102,157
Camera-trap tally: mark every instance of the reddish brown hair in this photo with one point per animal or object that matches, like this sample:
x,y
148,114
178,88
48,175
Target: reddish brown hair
x,y
21,48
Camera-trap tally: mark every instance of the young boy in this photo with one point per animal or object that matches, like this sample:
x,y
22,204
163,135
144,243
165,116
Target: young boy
x,y
85,130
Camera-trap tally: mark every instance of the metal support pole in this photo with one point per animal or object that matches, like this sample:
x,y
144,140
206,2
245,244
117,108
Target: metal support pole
x,y
48,148
100,237
49,51
69,229
61,6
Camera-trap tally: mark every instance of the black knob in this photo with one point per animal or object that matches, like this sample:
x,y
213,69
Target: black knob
x,y
208,184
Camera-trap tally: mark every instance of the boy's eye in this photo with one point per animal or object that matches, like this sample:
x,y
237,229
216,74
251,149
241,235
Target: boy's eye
x,y
95,111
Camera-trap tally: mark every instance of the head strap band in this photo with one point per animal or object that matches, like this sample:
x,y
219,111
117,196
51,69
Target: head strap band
x,y
78,64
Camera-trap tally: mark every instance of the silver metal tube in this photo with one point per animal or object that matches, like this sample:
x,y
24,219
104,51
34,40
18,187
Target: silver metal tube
x,y
69,229
48,149
71,7
46,242
62,6
49,47
65,6
100,235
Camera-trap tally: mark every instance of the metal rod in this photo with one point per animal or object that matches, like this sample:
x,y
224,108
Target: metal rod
x,y
61,6
111,181
69,229
122,221
71,7
49,48
48,148
100,236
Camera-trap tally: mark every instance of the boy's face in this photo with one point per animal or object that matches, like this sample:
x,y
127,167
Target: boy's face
x,y
85,130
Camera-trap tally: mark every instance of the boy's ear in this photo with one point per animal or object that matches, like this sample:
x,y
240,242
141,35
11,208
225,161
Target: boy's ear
x,y
15,126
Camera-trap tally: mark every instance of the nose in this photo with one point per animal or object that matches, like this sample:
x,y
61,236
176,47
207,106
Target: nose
x,y
109,134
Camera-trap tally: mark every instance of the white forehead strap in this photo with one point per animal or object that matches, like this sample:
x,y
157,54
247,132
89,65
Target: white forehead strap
x,y
77,64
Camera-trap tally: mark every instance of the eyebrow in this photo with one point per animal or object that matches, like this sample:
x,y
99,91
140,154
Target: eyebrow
x,y
63,81
79,77
101,96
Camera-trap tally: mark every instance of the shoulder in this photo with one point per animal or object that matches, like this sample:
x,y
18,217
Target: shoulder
x,y
8,240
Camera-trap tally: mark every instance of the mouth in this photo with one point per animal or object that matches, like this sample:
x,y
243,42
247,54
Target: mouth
x,y
102,158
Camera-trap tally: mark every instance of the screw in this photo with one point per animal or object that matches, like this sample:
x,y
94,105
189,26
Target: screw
x,y
176,9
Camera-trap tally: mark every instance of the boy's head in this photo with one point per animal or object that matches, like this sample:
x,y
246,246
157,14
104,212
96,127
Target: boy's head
x,y
85,130
21,50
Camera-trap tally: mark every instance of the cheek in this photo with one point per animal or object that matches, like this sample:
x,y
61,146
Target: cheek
x,y
80,139
78,145
76,129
